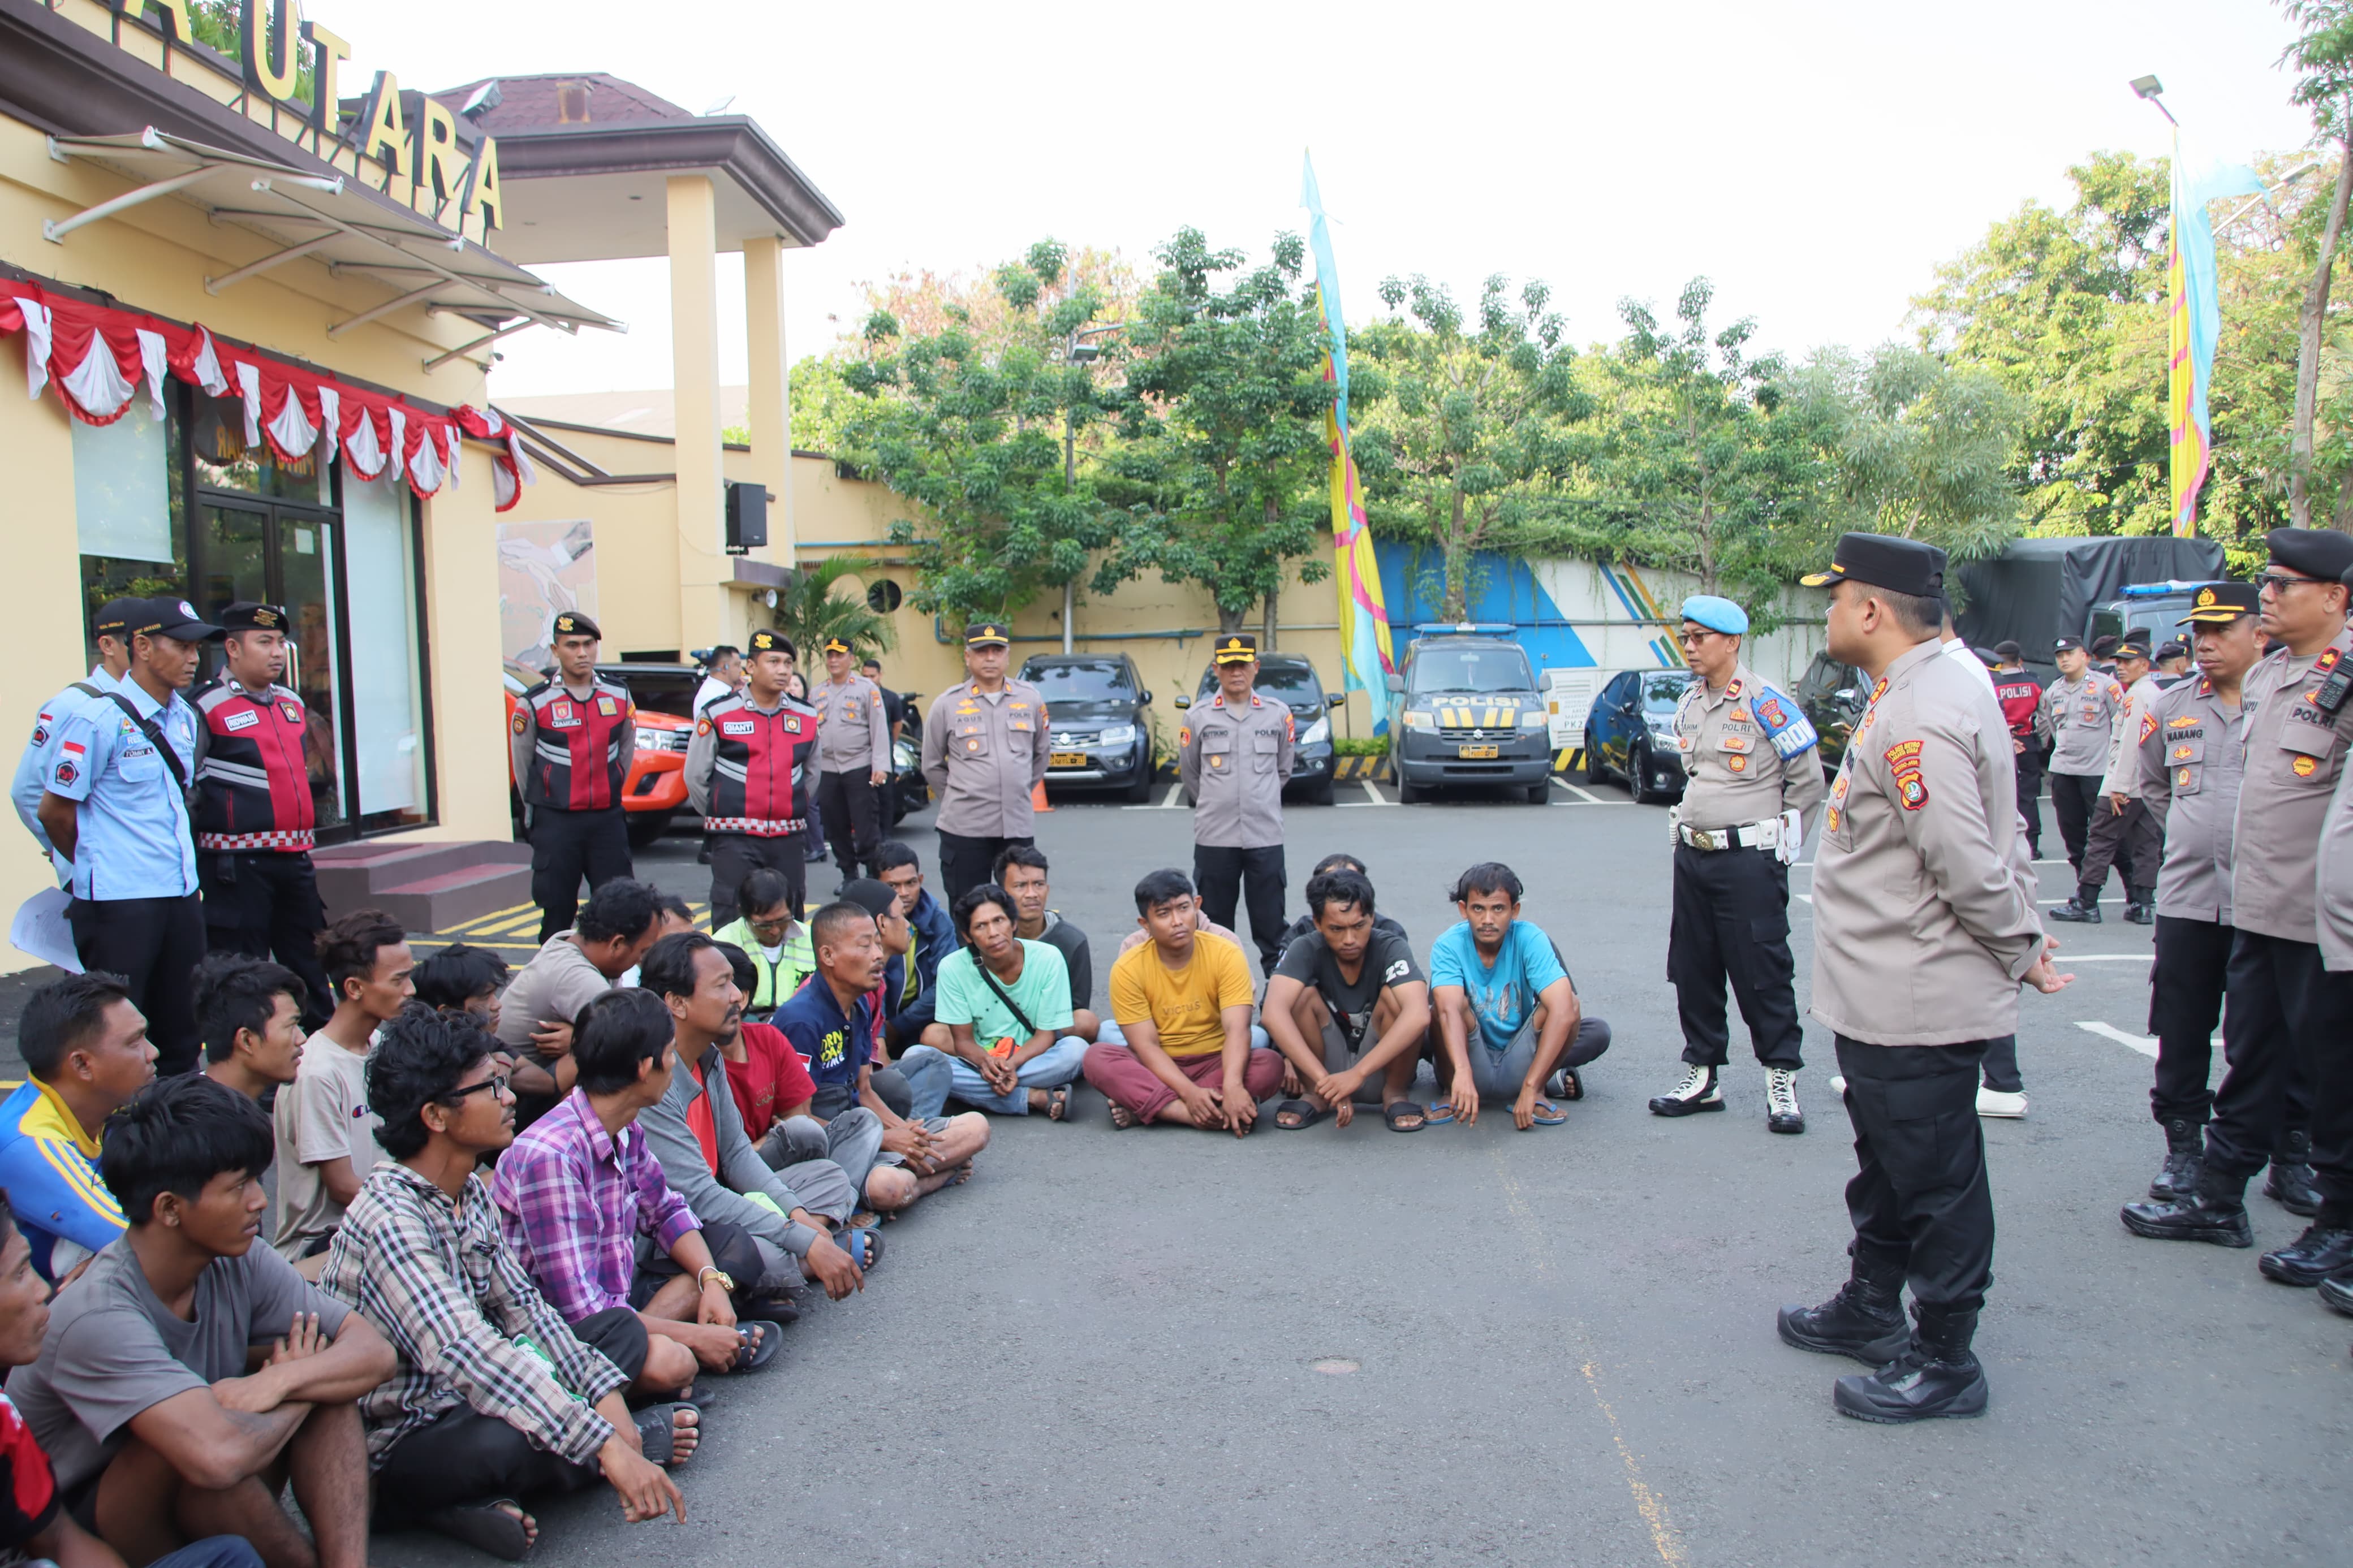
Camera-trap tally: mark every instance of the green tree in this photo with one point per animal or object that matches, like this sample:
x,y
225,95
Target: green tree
x,y
1224,456
1463,426
2323,57
809,610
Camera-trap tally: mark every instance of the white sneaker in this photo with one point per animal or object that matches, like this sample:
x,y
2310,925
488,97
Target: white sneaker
x,y
1781,1112
1994,1102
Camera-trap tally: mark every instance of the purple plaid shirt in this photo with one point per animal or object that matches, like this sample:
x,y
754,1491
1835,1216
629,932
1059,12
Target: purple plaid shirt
x,y
573,1199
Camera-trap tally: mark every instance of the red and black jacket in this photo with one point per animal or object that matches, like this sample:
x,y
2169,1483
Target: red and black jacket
x,y
573,753
253,785
2020,696
753,769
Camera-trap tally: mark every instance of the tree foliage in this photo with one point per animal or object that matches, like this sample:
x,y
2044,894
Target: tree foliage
x,y
809,610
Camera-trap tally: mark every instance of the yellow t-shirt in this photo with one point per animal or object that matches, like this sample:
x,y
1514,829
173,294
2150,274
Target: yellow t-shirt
x,y
1184,1004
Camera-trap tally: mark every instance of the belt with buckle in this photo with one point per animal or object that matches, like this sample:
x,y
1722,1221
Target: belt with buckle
x,y
1747,835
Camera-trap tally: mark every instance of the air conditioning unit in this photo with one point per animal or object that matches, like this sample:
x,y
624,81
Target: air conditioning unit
x,y
747,516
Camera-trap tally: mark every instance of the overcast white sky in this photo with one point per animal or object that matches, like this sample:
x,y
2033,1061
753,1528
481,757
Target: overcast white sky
x,y
1816,158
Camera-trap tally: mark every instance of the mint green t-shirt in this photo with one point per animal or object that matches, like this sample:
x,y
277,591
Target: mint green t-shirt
x,y
1043,993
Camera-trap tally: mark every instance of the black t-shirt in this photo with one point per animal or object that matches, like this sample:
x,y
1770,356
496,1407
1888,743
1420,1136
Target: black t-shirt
x,y
1388,960
1077,957
1305,926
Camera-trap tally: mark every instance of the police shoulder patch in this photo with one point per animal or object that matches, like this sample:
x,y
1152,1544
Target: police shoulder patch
x,y
1911,789
1784,722
2147,725
522,722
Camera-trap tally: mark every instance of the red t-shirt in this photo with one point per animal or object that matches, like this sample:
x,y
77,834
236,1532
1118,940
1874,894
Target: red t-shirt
x,y
771,1077
28,1494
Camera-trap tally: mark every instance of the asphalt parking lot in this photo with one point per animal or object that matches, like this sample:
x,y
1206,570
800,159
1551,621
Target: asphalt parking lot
x,y
1479,1345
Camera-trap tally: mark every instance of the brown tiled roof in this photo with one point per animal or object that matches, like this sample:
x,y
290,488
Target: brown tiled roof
x,y
527,102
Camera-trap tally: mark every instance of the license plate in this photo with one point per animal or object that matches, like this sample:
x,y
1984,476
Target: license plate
x,y
1068,760
1478,753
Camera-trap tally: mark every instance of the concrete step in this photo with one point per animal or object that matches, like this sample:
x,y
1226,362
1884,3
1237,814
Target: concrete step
x,y
452,898
352,876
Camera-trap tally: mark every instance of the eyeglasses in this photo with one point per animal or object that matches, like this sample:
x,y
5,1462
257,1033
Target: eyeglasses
x,y
780,923
496,1083
2271,582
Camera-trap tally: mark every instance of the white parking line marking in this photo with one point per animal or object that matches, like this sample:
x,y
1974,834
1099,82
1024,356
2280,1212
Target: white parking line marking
x,y
2141,1043
2064,959
1174,796
1372,795
1587,796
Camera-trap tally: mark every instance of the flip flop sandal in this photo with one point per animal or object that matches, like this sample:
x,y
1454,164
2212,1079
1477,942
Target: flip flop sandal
x,y
777,1309
484,1526
864,1243
1308,1112
1398,1110
1439,1115
1122,1118
1571,1086
1546,1114
759,1350
1058,1103
655,1431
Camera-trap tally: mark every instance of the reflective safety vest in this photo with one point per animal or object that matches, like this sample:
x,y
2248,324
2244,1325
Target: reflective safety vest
x,y
577,761
253,786
762,767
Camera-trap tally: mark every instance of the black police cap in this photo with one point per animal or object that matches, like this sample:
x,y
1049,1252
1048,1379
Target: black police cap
x,y
767,641
987,634
173,617
116,616
2321,552
572,624
2218,604
1236,648
251,616
1883,560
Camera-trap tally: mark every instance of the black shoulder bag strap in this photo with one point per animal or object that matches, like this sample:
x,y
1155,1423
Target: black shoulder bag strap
x,y
154,733
1019,1016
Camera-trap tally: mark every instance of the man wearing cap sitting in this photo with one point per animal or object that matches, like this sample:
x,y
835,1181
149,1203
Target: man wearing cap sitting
x,y
751,771
255,812
854,759
2079,715
2020,696
1235,755
2123,831
1755,775
111,633
115,802
986,747
575,738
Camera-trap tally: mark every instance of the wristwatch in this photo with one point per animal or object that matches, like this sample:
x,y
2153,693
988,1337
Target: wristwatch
x,y
712,1271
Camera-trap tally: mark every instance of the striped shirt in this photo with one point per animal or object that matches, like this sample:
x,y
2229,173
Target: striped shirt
x,y
49,1167
574,1199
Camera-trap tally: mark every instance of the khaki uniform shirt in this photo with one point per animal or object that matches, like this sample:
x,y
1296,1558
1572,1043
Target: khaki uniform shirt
x,y
1922,924
853,737
2192,754
2123,776
2296,758
1235,761
2080,717
1737,775
983,755
2336,869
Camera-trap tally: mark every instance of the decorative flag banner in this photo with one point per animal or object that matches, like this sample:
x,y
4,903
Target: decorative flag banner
x,y
1367,658
2195,322
99,358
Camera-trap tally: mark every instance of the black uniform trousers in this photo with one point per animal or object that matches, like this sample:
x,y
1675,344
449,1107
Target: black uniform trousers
x,y
967,863
2001,1066
1732,919
469,1456
2286,1015
2134,843
851,807
566,845
1919,1199
2072,798
735,855
2185,1003
1225,875
266,902
154,944
2029,795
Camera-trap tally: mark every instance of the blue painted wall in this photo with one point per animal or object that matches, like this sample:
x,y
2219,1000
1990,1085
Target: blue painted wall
x,y
1502,589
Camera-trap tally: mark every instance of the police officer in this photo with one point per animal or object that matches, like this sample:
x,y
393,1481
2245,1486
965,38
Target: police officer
x,y
2173,664
1753,773
2123,831
575,738
112,634
1925,925
255,813
1234,756
853,759
750,770
2020,696
986,744
2334,874
2283,1005
2192,755
116,805
2079,714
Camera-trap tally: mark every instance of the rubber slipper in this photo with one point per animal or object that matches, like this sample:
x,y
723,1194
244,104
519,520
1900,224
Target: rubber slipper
x,y
1544,1113
864,1243
1308,1112
656,1432
484,1526
1058,1103
1571,1086
1439,1115
1397,1110
779,1307
759,1350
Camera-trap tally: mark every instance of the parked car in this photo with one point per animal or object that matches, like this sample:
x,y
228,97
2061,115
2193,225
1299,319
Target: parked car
x,y
655,790
1095,703
1833,696
1630,733
1289,678
1471,714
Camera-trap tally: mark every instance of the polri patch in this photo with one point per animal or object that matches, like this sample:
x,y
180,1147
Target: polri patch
x,y
1911,789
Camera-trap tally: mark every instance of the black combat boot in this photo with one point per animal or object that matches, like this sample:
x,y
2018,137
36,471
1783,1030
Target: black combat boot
x,y
1937,1376
1864,1319
2140,906
2337,1292
1698,1091
2290,1182
2217,1212
2185,1156
2084,909
2325,1247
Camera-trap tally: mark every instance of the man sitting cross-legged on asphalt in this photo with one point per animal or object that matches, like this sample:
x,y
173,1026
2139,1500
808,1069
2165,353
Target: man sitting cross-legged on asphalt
x,y
581,1186
1021,871
893,1160
572,969
249,1016
779,945
1349,1008
698,1134
85,1051
1005,1013
1508,1016
1306,924
493,1397
190,1374
1182,998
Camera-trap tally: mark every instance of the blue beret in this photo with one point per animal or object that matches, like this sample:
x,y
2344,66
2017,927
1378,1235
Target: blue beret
x,y
1716,615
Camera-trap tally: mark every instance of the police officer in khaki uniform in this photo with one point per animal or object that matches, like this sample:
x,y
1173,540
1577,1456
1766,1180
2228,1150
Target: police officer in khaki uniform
x,y
1925,926
2079,714
2283,1004
986,746
2336,911
853,757
1235,757
2123,831
1754,773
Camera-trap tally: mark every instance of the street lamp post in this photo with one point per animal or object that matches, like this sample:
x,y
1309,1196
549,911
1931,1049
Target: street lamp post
x,y
1077,352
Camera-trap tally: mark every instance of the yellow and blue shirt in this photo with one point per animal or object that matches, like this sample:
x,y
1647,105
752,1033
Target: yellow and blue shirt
x,y
49,1167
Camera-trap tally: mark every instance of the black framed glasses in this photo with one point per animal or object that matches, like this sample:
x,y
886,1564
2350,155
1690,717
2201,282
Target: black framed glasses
x,y
496,1083
2278,584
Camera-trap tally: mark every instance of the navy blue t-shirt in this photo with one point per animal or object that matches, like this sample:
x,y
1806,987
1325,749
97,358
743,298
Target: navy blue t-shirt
x,y
834,1046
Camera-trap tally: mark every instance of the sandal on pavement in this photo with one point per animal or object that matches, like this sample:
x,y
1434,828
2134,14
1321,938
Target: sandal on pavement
x,y
759,1343
658,1433
1402,1110
1544,1113
1304,1114
484,1526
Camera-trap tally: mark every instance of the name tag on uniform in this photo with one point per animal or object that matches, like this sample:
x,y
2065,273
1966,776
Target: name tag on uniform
x,y
244,721
605,706
737,727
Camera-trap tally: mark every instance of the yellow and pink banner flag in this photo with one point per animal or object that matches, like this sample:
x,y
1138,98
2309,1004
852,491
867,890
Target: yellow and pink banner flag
x,y
2195,322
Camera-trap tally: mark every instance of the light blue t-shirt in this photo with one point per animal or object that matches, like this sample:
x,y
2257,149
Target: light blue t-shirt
x,y
1503,996
136,841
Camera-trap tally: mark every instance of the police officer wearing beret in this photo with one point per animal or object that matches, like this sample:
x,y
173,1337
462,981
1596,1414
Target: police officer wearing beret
x,y
575,738
752,770
854,759
2284,1006
116,805
1234,756
986,746
1925,927
1755,773
112,632
255,817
